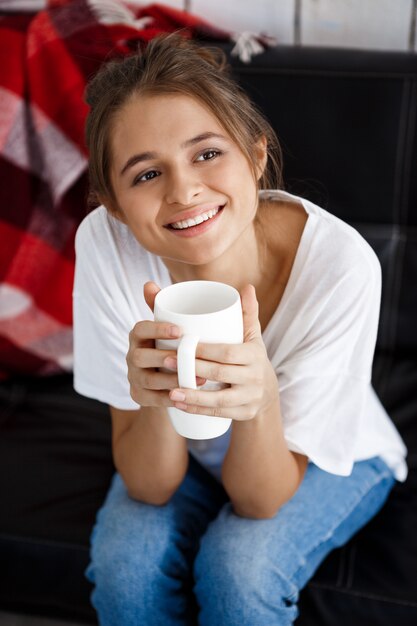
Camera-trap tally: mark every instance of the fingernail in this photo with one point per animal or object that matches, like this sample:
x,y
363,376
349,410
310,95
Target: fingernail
x,y
171,362
174,331
177,395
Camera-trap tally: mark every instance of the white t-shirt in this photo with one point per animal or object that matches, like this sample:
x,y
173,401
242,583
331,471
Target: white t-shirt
x,y
320,340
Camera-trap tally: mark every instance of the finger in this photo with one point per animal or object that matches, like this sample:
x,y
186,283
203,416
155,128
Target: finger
x,y
238,413
146,330
219,372
230,353
150,289
211,370
152,357
170,362
250,310
146,397
151,380
225,398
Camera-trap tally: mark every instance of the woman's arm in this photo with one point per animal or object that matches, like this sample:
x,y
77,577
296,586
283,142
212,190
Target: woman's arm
x,y
149,455
259,473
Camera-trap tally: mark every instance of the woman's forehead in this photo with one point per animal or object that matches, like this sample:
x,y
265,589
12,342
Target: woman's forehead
x,y
159,119
167,105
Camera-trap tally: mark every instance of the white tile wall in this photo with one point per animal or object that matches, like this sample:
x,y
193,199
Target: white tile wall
x,y
272,17
176,4
379,24
413,28
22,5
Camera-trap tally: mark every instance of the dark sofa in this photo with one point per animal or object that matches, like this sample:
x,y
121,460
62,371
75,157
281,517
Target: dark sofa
x,y
347,123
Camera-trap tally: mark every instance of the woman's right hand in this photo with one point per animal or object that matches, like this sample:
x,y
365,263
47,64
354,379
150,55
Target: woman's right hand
x,y
148,386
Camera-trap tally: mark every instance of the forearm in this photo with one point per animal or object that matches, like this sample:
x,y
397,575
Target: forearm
x,y
150,456
259,473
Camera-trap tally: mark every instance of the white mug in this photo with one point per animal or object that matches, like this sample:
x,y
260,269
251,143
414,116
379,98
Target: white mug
x,y
206,312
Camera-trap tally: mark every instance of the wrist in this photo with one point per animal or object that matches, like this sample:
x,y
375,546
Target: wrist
x,y
267,414
158,421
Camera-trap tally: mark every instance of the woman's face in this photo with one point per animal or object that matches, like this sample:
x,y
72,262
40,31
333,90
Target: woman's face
x,y
171,162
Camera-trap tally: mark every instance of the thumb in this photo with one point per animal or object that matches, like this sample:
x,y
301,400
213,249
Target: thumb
x,y
250,310
150,289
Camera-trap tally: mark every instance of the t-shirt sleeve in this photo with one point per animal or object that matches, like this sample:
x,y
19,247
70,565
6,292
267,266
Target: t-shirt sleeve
x,y
325,383
103,318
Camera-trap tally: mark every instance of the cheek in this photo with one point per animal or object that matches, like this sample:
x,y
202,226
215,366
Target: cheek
x,y
144,225
241,173
142,222
138,206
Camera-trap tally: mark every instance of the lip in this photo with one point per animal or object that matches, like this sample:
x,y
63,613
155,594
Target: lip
x,y
194,231
186,215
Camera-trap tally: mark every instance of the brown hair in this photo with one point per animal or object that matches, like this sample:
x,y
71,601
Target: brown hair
x,y
172,64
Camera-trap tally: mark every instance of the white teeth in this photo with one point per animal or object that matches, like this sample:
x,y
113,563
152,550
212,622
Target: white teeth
x,y
203,217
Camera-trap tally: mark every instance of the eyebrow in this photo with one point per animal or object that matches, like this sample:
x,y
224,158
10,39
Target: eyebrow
x,y
147,156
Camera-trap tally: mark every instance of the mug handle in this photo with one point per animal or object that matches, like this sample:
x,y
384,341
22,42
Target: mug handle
x,y
186,361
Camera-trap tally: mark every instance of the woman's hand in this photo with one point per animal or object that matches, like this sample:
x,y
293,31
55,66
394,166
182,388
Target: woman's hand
x,y
148,387
245,368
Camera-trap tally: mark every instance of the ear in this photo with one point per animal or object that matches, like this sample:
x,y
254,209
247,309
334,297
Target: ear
x,y
261,152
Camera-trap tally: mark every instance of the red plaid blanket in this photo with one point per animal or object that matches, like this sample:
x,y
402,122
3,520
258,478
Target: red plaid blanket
x,y
45,61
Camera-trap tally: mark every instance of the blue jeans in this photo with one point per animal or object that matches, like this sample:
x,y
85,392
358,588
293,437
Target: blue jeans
x,y
163,565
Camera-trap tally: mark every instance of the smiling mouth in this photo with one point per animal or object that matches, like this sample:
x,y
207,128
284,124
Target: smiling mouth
x,y
195,221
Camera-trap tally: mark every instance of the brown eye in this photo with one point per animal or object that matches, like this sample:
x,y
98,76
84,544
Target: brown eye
x,y
208,155
143,178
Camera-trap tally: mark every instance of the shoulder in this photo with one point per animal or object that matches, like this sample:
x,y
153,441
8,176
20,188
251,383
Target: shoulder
x,y
93,228
336,248
345,271
326,248
344,249
104,250
90,234
103,237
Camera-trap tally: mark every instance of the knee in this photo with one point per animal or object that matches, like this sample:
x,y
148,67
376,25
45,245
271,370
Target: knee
x,y
230,566
126,574
131,561
236,574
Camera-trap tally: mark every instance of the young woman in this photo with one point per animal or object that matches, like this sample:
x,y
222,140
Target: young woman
x,y
228,529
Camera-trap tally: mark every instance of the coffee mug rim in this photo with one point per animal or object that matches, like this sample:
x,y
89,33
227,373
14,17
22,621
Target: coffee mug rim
x,y
197,282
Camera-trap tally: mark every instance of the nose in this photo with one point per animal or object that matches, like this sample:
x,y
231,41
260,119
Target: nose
x,y
183,186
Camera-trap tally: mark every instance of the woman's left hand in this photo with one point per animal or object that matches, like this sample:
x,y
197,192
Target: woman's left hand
x,y
245,368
